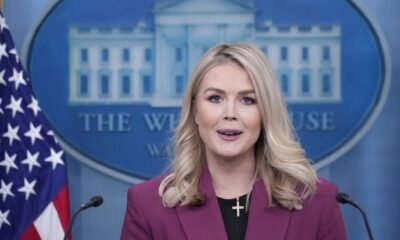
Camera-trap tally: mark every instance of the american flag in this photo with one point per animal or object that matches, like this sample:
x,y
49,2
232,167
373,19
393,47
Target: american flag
x,y
34,201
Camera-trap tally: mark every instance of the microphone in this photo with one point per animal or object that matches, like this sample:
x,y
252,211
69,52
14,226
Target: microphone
x,y
93,202
344,198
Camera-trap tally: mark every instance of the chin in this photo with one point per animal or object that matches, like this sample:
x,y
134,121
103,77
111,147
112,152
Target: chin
x,y
229,153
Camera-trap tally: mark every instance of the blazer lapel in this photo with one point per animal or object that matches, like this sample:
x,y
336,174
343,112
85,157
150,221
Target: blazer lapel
x,y
203,222
264,222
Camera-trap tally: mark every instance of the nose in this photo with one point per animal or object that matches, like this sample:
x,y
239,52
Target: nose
x,y
230,111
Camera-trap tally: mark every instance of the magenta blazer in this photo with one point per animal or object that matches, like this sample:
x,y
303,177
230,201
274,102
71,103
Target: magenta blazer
x,y
147,218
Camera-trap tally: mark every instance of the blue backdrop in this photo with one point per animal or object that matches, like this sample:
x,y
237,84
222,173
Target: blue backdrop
x,y
369,171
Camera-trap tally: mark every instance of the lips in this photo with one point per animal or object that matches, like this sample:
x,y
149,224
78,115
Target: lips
x,y
229,134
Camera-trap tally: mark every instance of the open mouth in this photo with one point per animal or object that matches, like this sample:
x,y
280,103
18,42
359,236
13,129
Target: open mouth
x,y
229,132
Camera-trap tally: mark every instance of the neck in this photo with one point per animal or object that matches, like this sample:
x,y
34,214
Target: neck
x,y
232,178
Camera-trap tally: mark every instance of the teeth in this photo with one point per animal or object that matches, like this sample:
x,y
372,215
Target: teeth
x,y
230,133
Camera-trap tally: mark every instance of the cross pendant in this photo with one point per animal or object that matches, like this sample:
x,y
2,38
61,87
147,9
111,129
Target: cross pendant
x,y
237,207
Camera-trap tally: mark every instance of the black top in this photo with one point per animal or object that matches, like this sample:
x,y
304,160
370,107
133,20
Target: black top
x,y
235,226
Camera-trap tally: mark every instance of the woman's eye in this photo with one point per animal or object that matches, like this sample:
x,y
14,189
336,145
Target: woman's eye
x,y
248,100
214,98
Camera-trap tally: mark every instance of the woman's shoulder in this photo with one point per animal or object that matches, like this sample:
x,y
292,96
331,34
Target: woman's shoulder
x,y
148,186
146,211
146,192
326,187
322,211
325,190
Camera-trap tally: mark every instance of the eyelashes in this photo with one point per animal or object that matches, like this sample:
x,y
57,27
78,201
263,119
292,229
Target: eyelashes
x,y
245,100
214,98
248,100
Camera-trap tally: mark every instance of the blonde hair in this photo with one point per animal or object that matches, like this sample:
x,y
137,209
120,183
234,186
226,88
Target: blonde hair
x,y
281,163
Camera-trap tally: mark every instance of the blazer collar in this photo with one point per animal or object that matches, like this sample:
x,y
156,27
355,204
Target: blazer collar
x,y
265,222
205,222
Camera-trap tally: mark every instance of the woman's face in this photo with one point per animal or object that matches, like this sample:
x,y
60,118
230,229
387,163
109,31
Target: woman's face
x,y
226,113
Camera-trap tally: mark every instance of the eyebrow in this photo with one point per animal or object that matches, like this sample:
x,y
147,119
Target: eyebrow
x,y
243,92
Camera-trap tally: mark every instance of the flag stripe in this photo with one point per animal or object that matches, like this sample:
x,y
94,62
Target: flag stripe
x,y
30,234
32,166
62,205
48,224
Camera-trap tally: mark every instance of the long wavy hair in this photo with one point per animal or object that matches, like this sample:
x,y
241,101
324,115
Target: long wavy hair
x,y
281,163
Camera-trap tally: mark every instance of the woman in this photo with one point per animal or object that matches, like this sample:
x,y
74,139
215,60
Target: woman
x,y
238,171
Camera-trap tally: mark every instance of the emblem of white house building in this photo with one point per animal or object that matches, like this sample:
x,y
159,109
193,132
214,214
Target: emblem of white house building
x,y
111,76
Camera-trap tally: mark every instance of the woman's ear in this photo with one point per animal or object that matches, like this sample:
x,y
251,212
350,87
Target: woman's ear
x,y
195,117
194,109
